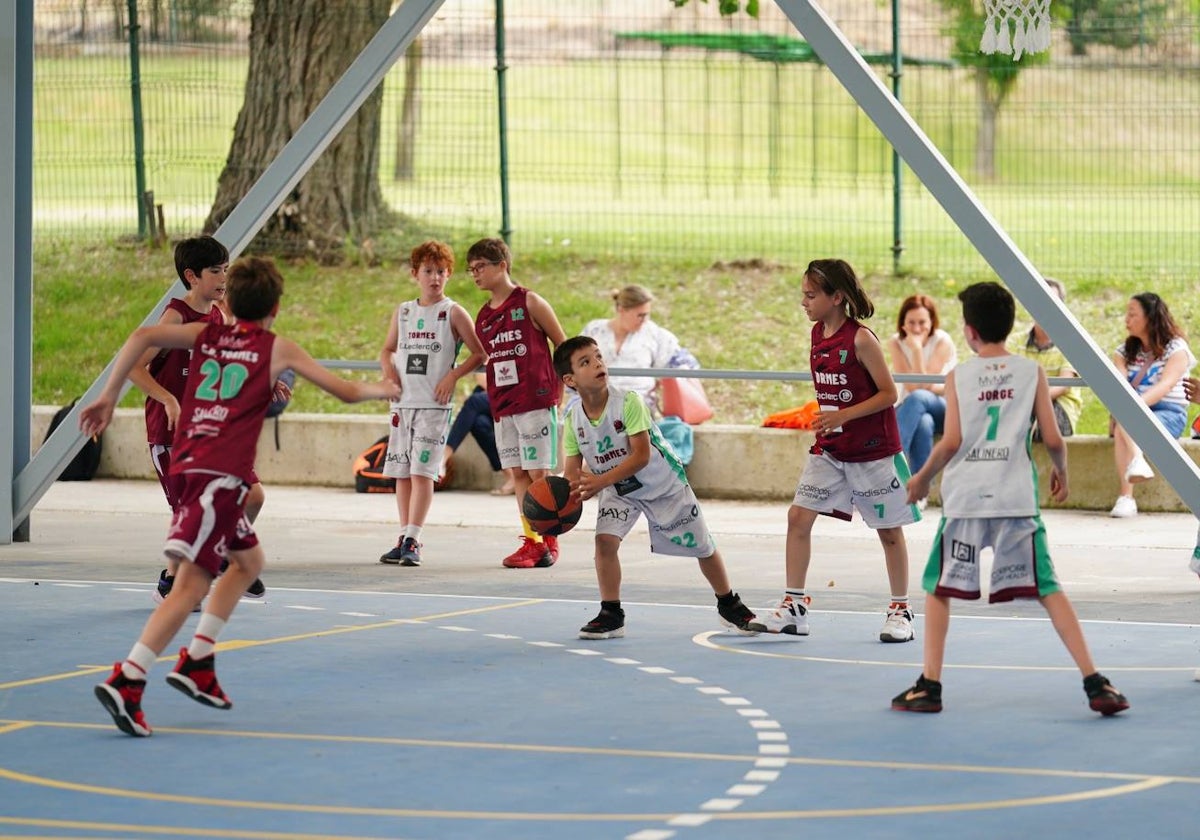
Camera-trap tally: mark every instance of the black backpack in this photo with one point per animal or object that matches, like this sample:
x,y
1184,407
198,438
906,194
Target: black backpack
x,y
83,467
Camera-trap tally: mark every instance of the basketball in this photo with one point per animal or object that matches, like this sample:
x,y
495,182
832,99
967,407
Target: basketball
x,y
549,506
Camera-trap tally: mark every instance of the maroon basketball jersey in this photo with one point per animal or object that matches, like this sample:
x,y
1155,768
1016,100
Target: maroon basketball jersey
x,y
170,370
841,381
226,401
520,368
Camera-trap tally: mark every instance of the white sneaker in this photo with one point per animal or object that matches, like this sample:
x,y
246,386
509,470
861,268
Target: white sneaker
x,y
897,627
1138,470
1124,507
790,618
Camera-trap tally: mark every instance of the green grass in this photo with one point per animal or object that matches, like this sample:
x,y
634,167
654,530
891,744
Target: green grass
x,y
740,317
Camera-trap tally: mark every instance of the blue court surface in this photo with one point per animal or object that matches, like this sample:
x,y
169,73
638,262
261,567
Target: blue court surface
x,y
399,715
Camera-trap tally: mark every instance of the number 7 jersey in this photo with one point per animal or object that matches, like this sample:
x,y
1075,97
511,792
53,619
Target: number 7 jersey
x,y
992,474
228,391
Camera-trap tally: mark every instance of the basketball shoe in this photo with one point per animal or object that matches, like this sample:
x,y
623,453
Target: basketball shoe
x,y
551,544
608,624
532,554
197,679
121,697
924,696
897,627
395,553
735,614
166,583
1102,697
790,618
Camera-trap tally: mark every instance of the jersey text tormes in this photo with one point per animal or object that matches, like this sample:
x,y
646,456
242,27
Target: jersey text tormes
x,y
228,391
841,381
520,368
425,351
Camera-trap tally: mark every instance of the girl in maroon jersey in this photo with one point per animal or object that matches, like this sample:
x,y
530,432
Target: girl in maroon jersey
x,y
857,460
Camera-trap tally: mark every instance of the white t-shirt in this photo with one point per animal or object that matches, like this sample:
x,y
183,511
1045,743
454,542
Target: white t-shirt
x,y
650,346
1175,396
938,337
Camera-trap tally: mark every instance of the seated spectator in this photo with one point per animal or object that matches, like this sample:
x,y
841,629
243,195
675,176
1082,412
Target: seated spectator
x,y
630,339
919,346
1154,359
475,418
1067,401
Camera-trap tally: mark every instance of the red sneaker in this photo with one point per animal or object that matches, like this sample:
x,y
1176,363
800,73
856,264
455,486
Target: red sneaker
x,y
122,698
197,679
531,554
551,544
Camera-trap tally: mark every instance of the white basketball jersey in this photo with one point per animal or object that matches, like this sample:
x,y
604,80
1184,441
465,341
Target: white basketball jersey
x,y
605,444
992,474
425,351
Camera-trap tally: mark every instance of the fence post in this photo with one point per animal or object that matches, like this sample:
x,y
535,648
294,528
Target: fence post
x,y
135,90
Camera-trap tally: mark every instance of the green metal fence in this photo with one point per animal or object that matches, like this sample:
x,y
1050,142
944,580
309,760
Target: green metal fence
x,y
629,135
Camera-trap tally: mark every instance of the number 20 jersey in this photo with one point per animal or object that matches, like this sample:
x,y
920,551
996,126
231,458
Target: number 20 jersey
x,y
992,474
228,391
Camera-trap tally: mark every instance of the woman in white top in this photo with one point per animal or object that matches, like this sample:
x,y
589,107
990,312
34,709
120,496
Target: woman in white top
x,y
919,346
630,339
1154,358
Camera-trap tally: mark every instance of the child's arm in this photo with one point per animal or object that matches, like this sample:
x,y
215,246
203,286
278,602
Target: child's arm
x,y
572,466
464,330
387,362
95,417
1191,387
588,484
543,315
918,485
140,375
870,356
1056,448
288,354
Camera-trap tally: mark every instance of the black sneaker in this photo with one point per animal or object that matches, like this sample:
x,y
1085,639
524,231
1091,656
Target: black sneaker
x,y
122,698
256,589
1102,697
608,624
394,555
165,582
410,552
197,678
735,614
924,696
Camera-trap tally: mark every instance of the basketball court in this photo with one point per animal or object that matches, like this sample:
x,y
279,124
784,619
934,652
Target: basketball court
x,y
454,700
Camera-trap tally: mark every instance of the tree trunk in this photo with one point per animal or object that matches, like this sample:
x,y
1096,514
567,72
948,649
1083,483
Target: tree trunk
x,y
410,113
297,51
985,133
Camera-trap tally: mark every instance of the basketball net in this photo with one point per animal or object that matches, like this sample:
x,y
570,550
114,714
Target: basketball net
x,y
1028,20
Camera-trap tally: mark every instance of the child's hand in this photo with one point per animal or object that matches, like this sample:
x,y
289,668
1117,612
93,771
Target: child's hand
x,y
172,409
94,418
586,486
918,488
1058,485
443,392
1191,387
826,422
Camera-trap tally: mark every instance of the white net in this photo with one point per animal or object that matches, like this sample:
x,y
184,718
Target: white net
x,y
1016,27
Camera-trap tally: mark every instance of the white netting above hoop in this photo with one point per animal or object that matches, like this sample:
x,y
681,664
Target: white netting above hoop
x,y
1016,27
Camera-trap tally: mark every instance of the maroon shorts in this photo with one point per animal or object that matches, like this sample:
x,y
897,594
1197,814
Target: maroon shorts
x,y
172,485
210,520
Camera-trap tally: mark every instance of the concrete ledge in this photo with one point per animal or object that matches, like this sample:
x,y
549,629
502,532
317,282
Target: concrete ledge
x,y
730,462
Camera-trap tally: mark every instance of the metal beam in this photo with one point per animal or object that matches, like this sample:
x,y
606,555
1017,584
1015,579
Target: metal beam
x,y
251,213
1001,253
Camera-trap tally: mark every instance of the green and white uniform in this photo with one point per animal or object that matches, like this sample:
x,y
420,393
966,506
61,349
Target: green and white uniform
x,y
989,488
659,490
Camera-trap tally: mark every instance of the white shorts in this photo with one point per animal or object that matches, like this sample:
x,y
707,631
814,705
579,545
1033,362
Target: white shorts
x,y
1021,566
677,526
528,440
877,488
417,442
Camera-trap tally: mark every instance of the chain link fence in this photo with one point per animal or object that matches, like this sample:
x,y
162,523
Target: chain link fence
x,y
636,129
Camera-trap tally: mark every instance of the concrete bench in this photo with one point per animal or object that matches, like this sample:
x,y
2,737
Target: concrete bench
x,y
730,462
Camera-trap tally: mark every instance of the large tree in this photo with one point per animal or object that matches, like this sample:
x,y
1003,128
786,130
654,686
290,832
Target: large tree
x,y
298,49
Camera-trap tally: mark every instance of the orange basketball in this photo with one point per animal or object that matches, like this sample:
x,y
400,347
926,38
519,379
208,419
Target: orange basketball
x,y
550,507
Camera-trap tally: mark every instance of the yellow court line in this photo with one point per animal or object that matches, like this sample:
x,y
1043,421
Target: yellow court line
x,y
238,644
705,640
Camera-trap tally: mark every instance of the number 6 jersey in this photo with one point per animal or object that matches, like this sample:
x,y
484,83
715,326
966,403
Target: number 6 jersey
x,y
228,391
992,474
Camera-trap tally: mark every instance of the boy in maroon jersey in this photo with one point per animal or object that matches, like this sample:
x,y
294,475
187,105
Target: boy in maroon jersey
x,y
220,421
514,327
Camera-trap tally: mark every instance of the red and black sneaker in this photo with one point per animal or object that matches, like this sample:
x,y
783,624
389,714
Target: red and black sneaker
x,y
121,697
532,554
197,678
1102,697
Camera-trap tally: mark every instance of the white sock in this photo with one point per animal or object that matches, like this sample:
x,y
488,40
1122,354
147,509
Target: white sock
x,y
412,532
208,628
137,663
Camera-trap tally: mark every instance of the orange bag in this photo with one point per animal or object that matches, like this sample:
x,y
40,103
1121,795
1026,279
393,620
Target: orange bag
x,y
800,417
685,399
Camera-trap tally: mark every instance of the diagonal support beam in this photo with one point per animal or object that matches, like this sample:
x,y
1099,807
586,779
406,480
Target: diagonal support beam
x,y
1001,253
252,212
